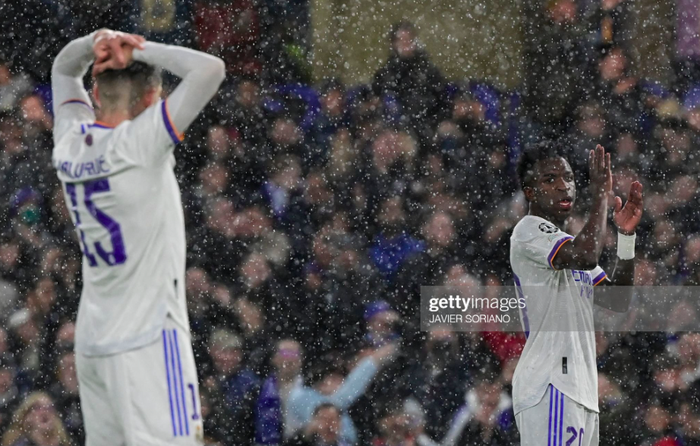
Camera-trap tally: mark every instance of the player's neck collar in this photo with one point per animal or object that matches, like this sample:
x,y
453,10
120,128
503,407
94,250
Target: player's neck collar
x,y
101,125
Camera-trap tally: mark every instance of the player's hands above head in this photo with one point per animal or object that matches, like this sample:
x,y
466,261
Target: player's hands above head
x,y
113,50
600,172
628,217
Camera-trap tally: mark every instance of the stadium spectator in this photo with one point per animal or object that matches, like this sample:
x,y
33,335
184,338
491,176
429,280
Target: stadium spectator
x,y
65,393
323,430
340,390
413,80
617,91
36,423
229,30
438,381
555,62
12,87
235,386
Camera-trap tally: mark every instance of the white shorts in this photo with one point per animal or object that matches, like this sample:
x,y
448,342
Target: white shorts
x,y
557,420
148,396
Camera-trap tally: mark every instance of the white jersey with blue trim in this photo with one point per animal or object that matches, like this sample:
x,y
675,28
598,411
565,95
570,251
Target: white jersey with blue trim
x,y
124,199
557,318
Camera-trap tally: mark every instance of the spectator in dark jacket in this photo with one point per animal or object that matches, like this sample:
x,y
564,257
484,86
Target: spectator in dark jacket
x,y
412,79
555,62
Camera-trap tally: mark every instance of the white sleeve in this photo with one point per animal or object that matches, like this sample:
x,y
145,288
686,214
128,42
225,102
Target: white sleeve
x,y
598,275
540,243
71,103
201,75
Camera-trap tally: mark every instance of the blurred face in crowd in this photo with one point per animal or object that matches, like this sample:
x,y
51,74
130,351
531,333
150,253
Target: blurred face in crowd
x,y
392,216
591,122
41,419
627,147
665,235
693,119
226,359
5,76
689,343
683,189
287,358
65,338
42,297
255,270
33,109
645,273
405,44
317,191
612,65
690,421
457,275
608,391
289,173
382,326
333,102
692,251
67,374
248,94
442,346
218,143
285,132
28,332
657,419
197,286
467,109
330,383
9,255
249,314
343,153
394,428
6,380
327,420
563,11
214,179
622,180
552,191
439,230
3,341
489,394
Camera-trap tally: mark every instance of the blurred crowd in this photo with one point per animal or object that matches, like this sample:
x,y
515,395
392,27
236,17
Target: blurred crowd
x,y
315,212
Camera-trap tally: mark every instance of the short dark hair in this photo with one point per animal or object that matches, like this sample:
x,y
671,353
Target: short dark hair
x,y
403,25
322,406
542,150
139,75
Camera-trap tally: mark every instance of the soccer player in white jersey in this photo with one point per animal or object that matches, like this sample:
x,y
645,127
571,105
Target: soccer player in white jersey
x,y
555,384
138,383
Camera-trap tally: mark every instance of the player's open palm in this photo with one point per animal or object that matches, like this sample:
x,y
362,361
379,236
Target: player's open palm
x,y
600,172
628,217
113,50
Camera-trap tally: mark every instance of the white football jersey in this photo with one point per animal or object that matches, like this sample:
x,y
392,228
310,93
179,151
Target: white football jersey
x,y
557,318
124,199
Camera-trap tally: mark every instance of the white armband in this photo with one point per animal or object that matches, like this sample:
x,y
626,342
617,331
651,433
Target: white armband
x,y
625,246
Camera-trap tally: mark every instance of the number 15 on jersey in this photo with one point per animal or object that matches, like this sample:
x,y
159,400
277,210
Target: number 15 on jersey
x,y
117,254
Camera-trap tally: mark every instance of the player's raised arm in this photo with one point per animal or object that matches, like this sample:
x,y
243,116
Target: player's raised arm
x,y
626,219
70,100
201,75
584,250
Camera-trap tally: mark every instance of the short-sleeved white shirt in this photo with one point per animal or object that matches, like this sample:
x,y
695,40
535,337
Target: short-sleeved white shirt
x,y
557,318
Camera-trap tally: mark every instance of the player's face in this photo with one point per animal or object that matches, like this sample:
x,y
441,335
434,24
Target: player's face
x,y
554,191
